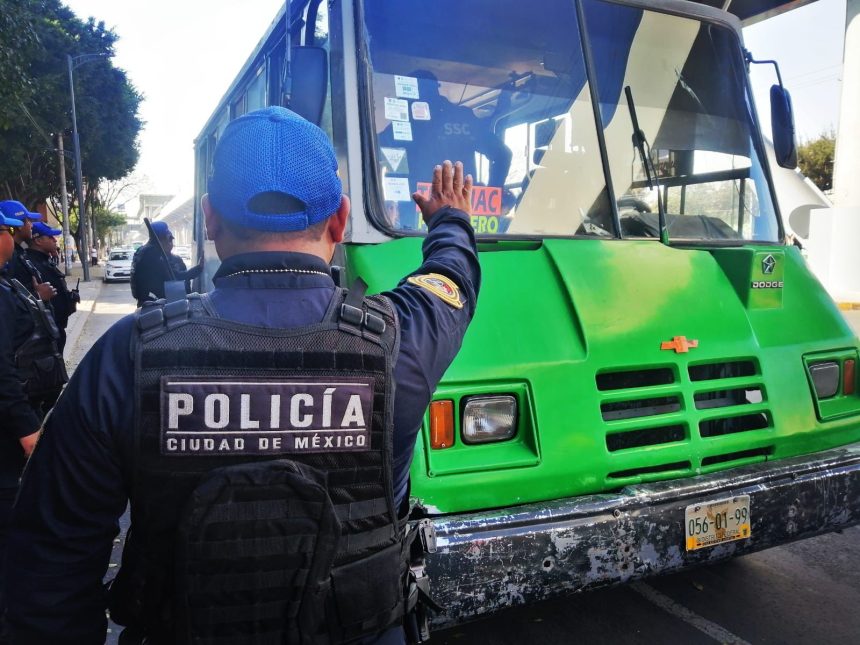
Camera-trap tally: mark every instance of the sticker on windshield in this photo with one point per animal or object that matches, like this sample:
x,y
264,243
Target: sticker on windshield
x,y
406,87
395,160
486,200
396,109
421,111
402,130
396,189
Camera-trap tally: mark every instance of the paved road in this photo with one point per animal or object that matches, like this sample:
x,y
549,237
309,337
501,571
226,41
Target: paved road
x,y
799,593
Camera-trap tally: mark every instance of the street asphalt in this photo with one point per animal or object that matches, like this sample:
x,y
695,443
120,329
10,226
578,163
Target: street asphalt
x,y
800,593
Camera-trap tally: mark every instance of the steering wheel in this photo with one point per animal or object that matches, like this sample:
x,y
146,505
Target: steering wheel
x,y
628,202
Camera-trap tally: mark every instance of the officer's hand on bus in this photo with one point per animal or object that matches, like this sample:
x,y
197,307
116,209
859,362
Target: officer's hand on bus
x,y
44,289
449,188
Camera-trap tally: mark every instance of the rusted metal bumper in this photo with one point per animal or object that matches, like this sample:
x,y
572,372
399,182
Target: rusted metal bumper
x,y
487,561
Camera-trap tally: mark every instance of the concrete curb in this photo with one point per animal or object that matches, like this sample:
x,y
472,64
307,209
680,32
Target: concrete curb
x,y
89,295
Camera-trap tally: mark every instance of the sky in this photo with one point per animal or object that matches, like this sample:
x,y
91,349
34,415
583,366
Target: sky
x,y
183,55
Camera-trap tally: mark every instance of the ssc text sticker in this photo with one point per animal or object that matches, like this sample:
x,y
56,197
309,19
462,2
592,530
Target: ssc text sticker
x,y
421,111
396,189
394,159
402,130
406,87
396,109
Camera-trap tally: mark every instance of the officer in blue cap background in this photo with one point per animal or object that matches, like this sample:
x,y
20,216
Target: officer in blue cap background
x,y
41,252
19,428
149,267
263,432
19,267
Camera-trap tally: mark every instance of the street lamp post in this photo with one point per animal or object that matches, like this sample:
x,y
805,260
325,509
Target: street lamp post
x,y
67,252
83,247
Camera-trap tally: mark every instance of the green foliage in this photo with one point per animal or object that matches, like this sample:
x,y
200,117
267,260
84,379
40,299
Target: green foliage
x,y
815,159
104,220
37,35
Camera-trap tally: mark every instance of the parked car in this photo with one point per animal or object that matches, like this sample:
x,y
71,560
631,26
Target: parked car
x,y
118,266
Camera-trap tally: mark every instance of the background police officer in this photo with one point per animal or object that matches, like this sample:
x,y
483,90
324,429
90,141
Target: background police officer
x,y
275,212
149,269
19,426
19,267
41,251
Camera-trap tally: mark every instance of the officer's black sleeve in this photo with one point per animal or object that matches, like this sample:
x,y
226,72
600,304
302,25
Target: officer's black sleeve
x,y
71,497
18,418
432,329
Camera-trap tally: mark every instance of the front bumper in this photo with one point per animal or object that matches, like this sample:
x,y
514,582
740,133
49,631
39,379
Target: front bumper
x,y
117,274
490,560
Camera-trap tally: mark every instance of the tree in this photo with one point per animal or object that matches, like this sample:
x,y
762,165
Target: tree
x,y
104,220
815,159
35,103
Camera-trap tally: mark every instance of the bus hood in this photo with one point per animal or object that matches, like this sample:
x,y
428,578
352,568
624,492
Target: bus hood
x,y
630,361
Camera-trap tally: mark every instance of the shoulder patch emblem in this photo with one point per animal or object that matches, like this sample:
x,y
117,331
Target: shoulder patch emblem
x,y
440,286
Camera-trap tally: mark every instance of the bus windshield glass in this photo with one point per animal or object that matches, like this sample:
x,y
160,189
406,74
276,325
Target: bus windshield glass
x,y
686,79
500,87
504,90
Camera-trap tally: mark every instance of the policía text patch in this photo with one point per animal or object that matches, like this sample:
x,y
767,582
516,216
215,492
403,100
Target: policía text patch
x,y
202,416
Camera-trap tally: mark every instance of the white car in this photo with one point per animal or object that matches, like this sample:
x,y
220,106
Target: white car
x,y
118,266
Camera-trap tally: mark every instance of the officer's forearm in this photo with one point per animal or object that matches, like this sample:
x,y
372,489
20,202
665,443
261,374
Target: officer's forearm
x,y
450,249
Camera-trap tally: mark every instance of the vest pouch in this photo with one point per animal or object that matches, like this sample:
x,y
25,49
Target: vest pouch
x,y
367,594
44,375
254,550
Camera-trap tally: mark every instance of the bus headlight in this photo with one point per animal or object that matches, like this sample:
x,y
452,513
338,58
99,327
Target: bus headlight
x,y
488,419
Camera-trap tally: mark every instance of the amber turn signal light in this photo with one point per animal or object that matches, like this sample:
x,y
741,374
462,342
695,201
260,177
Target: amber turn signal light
x,y
848,378
441,424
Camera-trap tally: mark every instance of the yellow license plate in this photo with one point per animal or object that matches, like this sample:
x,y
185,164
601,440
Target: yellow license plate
x,y
712,523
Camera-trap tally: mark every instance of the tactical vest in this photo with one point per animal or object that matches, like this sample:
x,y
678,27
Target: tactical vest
x,y
40,365
262,505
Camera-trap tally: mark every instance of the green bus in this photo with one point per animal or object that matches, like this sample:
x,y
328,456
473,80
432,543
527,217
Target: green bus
x,y
653,379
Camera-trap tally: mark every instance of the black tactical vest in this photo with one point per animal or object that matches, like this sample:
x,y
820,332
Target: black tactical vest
x,y
40,364
262,505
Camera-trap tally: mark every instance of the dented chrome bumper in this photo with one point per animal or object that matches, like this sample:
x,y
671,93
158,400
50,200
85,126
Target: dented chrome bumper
x,y
487,561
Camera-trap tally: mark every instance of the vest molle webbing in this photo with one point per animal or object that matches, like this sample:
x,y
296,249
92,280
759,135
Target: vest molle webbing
x,y
263,507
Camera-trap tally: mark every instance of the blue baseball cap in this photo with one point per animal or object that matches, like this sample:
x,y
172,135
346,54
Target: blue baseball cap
x,y
17,210
9,221
160,229
269,152
40,229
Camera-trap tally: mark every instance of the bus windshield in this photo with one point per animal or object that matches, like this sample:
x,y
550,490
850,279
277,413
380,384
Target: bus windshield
x,y
505,91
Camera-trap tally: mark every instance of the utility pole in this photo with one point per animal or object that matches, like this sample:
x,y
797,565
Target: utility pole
x,y
83,247
61,157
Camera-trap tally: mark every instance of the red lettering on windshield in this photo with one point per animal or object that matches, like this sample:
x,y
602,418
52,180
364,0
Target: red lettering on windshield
x,y
486,200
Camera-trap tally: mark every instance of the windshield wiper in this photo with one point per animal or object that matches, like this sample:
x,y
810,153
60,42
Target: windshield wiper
x,y
640,142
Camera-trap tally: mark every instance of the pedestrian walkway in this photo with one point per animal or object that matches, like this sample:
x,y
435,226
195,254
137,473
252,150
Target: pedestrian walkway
x,y
100,307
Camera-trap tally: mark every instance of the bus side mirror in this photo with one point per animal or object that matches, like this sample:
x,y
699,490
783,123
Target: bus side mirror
x,y
309,82
782,121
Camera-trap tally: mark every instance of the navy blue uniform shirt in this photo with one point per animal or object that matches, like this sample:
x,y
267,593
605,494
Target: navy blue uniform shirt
x,y
18,418
78,481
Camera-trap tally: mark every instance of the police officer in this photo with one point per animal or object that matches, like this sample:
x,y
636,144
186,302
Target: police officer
x,y
19,428
20,267
149,269
256,429
41,252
